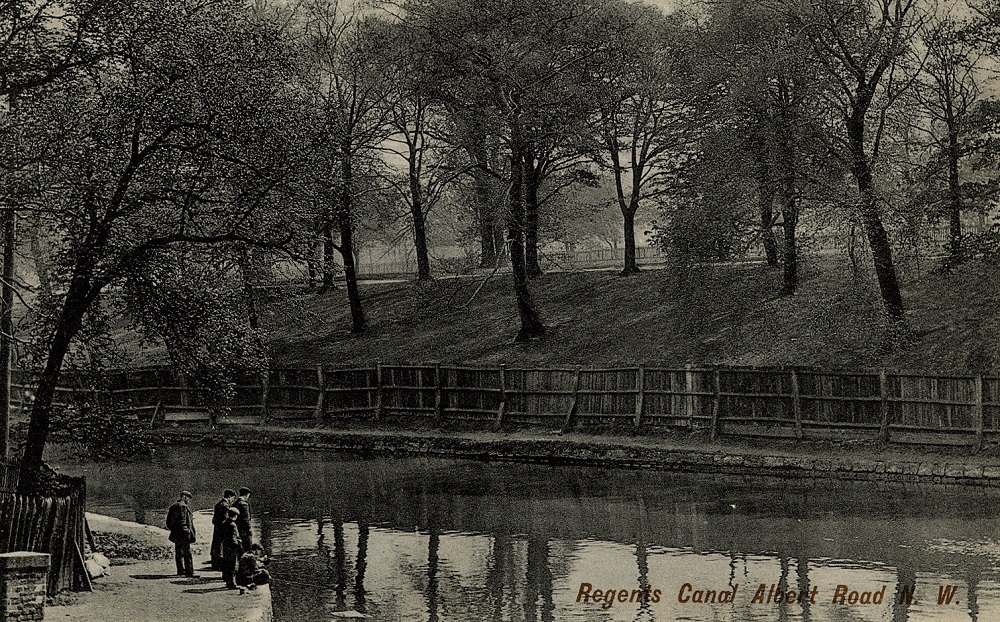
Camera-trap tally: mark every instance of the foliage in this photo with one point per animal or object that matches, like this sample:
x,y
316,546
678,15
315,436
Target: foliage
x,y
191,300
101,429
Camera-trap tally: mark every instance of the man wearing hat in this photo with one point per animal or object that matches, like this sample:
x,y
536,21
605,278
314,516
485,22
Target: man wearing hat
x,y
221,509
243,522
182,534
231,547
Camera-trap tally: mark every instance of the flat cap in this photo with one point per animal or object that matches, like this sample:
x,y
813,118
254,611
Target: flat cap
x,y
185,493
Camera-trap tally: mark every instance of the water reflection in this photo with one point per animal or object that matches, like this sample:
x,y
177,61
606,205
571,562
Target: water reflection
x,y
416,539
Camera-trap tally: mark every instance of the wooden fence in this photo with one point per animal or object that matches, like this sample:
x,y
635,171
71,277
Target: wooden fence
x,y
46,524
899,407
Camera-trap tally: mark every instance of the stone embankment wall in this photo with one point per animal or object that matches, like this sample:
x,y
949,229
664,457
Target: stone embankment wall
x,y
802,462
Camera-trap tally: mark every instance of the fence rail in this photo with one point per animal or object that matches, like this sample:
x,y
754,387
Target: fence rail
x,y
759,402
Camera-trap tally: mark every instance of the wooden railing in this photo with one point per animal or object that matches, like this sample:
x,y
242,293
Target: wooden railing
x,y
759,402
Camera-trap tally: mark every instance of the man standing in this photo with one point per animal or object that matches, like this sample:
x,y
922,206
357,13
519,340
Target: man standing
x,y
182,534
231,547
221,510
243,522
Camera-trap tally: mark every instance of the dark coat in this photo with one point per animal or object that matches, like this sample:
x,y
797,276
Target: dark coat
x,y
231,543
243,522
249,565
221,510
180,522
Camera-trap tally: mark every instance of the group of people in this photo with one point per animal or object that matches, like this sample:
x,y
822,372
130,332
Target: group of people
x,y
241,560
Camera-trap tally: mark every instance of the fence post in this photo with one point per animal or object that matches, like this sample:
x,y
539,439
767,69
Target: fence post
x,y
503,394
378,391
979,414
716,398
571,413
796,404
639,398
438,413
689,391
883,385
321,394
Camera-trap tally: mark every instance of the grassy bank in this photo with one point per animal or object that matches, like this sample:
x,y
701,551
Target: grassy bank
x,y
722,314
728,315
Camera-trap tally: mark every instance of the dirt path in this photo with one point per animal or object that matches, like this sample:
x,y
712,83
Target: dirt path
x,y
151,591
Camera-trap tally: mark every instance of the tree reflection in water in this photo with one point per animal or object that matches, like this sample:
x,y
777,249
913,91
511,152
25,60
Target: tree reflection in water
x,y
422,539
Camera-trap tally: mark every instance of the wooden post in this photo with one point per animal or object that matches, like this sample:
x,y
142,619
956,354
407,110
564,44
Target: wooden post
x,y
883,384
438,379
979,414
89,534
158,416
320,395
796,404
378,391
503,394
571,413
689,391
716,398
83,567
640,382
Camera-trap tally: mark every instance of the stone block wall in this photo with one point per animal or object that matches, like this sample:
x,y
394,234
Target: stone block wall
x,y
22,586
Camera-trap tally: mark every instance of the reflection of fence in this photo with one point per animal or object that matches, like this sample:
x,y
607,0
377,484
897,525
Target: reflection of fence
x,y
759,402
46,524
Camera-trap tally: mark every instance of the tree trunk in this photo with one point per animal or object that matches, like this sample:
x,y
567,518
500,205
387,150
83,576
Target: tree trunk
x,y
765,193
628,217
531,183
70,320
419,225
486,222
789,222
789,208
531,325
878,238
6,328
954,198
328,249
246,272
311,271
358,323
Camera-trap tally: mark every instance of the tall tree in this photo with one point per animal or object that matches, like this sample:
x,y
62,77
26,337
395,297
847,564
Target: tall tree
x,y
421,139
643,110
170,139
346,83
769,101
864,46
513,61
947,94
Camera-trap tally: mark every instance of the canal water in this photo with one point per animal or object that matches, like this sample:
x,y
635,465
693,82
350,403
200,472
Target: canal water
x,y
414,539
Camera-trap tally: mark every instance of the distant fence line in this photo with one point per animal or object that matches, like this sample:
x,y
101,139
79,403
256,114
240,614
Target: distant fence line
x,y
931,238
901,407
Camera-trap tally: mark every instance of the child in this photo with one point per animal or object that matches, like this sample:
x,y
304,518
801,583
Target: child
x,y
252,571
